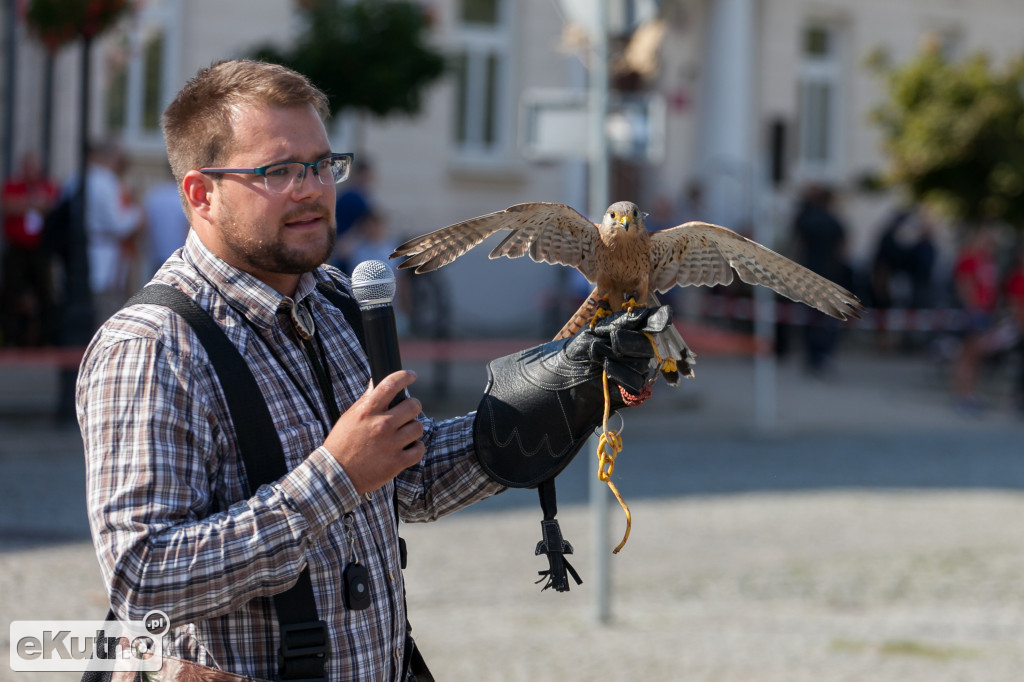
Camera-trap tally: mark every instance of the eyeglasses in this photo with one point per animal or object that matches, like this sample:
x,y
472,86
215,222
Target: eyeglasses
x,y
280,177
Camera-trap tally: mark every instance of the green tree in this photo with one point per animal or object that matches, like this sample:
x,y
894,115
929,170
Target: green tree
x,y
954,134
368,55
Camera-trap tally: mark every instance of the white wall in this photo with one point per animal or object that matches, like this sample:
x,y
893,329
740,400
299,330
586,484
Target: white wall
x,y
423,186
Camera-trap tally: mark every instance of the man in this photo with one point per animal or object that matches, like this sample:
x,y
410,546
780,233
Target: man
x,y
26,292
976,282
820,238
110,221
1014,291
175,527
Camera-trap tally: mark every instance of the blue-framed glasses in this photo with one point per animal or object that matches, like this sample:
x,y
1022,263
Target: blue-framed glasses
x,y
280,177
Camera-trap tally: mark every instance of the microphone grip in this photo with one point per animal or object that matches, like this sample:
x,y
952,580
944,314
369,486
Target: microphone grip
x,y
382,344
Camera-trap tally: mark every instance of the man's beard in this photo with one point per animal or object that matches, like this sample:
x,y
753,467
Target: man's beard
x,y
273,255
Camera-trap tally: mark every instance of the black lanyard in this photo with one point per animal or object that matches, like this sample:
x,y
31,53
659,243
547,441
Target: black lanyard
x,y
323,379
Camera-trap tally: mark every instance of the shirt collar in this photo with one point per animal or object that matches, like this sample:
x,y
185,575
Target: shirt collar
x,y
243,291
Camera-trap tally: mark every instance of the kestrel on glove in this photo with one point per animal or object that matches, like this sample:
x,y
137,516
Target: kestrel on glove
x,y
627,263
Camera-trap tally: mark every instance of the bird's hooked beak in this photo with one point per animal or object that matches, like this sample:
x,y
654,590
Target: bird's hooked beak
x,y
625,222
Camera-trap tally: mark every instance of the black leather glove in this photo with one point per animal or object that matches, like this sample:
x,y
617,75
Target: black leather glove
x,y
541,404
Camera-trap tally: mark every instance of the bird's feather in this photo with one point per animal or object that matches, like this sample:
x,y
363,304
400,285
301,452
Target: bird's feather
x,y
701,254
548,232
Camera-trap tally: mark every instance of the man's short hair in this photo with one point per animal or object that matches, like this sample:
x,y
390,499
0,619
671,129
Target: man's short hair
x,y
197,125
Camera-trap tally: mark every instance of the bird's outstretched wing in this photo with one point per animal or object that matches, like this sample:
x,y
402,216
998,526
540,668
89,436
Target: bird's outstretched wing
x,y
550,233
702,254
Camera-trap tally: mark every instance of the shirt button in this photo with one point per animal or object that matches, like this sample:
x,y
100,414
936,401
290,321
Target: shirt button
x,y
398,653
391,576
368,496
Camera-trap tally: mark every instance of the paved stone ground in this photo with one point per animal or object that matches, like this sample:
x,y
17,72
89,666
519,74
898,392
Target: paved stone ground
x,y
854,585
872,535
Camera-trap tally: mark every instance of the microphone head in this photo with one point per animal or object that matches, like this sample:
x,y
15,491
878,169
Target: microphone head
x,y
373,284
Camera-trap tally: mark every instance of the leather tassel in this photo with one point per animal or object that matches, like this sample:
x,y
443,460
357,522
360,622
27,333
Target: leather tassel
x,y
559,568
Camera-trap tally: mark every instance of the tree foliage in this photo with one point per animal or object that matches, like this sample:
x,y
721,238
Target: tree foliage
x,y
367,54
954,134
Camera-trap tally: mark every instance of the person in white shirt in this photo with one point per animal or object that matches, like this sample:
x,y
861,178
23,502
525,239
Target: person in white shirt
x,y
109,220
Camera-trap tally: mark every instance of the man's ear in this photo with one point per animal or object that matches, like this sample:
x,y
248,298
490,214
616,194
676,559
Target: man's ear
x,y
197,189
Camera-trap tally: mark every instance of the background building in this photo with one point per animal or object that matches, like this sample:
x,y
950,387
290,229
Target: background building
x,y
759,97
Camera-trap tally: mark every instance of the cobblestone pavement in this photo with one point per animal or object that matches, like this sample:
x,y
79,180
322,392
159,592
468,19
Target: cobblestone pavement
x,y
871,535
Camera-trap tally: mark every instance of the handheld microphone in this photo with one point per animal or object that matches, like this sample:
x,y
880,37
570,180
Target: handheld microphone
x,y
373,285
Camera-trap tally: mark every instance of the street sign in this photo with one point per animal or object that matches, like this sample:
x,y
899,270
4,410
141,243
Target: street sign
x,y
553,125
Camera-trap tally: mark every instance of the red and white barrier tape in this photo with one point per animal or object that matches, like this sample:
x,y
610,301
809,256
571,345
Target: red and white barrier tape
x,y
892,319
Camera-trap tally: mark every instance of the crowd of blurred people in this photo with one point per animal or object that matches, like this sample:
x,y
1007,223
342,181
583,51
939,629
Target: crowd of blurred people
x,y
26,289
365,233
126,238
129,237
982,278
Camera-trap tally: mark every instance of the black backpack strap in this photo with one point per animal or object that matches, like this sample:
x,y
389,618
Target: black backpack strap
x,y
259,452
304,643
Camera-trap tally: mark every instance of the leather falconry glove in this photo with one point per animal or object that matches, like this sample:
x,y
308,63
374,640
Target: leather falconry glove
x,y
541,405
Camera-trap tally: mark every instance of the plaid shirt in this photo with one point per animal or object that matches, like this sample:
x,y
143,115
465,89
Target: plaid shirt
x,y
174,526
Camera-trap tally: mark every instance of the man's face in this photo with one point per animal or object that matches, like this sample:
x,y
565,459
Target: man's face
x,y
275,237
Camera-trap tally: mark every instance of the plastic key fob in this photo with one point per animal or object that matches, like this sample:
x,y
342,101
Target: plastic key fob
x,y
357,587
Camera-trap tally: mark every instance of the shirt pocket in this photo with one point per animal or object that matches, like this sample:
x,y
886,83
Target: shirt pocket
x,y
300,440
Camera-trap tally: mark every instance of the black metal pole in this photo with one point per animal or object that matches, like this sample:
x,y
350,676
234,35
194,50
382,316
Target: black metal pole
x,y
46,143
77,319
10,89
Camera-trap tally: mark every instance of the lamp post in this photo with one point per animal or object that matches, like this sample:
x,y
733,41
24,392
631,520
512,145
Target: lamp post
x,y
57,22
76,318
598,190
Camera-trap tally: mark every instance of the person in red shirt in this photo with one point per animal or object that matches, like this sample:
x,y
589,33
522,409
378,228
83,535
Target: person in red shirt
x,y
1014,290
27,292
976,277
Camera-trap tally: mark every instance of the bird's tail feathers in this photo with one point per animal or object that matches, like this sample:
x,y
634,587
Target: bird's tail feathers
x,y
670,344
581,318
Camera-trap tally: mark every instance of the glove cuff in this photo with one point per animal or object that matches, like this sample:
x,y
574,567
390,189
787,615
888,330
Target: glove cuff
x,y
541,404
537,411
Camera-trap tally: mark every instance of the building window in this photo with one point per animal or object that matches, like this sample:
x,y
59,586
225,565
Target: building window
x,y
117,57
482,12
140,56
482,78
819,93
153,52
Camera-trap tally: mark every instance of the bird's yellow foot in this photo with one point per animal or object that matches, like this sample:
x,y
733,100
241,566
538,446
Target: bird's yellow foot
x,y
632,303
603,310
670,369
667,366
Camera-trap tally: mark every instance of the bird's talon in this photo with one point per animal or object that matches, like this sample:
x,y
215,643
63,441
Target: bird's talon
x,y
602,310
632,303
599,314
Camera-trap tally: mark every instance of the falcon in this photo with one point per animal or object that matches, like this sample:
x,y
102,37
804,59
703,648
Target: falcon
x,y
627,264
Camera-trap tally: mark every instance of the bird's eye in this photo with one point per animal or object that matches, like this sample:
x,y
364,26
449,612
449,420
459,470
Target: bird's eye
x,y
612,214
634,212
